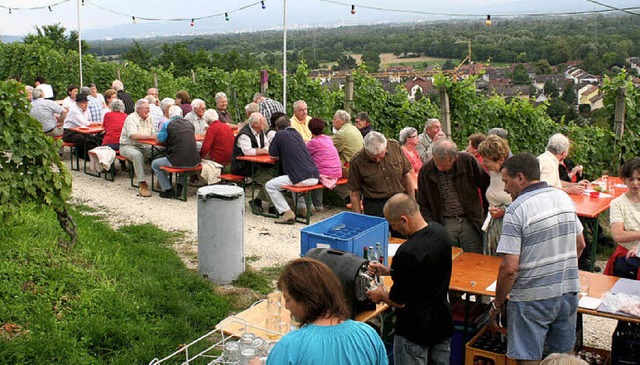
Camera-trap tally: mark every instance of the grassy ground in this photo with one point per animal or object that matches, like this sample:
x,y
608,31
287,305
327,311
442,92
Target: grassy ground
x,y
119,297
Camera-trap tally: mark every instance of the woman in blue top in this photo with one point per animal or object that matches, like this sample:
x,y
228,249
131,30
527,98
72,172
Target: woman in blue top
x,y
314,296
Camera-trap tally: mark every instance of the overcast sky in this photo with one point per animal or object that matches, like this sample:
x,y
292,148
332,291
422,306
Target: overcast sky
x,y
100,23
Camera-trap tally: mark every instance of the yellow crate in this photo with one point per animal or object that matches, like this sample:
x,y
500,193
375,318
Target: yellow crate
x,y
472,353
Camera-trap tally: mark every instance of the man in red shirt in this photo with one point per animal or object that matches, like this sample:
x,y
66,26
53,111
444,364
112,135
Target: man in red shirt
x,y
218,142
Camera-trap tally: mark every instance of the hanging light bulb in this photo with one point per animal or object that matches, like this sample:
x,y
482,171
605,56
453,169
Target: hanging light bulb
x,y
226,16
50,9
9,10
263,6
82,2
193,22
135,21
488,21
353,9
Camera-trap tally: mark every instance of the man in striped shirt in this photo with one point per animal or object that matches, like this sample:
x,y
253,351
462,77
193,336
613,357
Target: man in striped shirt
x,y
541,241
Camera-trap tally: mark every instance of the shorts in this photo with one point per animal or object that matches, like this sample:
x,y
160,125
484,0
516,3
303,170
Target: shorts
x,y
535,326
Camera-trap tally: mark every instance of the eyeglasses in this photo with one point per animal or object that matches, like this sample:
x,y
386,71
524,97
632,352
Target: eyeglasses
x,y
414,136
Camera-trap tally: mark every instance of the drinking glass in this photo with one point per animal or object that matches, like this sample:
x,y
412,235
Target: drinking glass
x,y
585,283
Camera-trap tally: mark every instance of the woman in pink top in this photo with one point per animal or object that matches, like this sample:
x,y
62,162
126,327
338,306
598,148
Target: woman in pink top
x,y
409,141
325,156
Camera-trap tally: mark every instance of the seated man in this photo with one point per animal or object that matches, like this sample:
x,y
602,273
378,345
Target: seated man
x,y
363,123
195,116
252,141
432,133
348,141
218,142
137,126
180,144
267,106
78,116
451,191
296,163
48,113
300,119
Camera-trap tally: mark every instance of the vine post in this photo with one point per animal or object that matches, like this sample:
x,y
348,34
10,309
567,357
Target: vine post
x,y
445,111
348,93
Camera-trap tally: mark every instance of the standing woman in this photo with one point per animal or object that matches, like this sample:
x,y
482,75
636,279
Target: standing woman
x,y
625,224
409,141
314,296
494,151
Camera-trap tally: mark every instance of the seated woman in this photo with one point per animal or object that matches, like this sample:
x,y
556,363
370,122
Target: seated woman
x,y
314,296
409,140
625,224
494,151
113,122
325,155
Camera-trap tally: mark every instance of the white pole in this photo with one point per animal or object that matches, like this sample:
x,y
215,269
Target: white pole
x,y
79,45
284,60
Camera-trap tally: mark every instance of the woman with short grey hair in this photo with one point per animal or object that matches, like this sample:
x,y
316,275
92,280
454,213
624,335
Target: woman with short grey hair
x,y
409,140
112,123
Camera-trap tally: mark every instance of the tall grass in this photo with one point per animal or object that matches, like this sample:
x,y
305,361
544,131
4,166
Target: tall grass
x,y
119,297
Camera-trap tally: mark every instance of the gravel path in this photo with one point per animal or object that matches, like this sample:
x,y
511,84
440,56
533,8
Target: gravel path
x,y
268,243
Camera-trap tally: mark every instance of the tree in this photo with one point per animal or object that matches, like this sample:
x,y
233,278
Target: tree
x,y
448,65
55,35
30,168
346,62
371,61
543,67
139,55
550,89
520,75
569,95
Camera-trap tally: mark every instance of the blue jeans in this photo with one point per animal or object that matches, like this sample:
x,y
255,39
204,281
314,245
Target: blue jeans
x,y
536,325
406,352
163,177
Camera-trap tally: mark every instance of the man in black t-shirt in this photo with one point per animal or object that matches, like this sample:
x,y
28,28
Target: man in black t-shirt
x,y
421,270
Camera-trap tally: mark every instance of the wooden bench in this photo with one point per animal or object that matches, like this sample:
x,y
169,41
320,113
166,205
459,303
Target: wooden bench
x,y
182,178
239,179
304,191
73,151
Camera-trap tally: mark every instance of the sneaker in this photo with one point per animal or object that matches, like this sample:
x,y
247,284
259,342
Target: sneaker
x,y
287,218
167,194
143,190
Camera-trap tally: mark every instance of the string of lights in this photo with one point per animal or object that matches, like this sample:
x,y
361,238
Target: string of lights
x,y
354,6
611,7
48,6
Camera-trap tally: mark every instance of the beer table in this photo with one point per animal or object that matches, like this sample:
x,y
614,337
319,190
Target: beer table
x,y
92,129
590,207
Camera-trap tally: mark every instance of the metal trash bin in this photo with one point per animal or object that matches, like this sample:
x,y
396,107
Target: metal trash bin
x,y
221,232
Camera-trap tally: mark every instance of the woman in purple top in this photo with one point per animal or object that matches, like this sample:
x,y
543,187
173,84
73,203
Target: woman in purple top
x,y
325,156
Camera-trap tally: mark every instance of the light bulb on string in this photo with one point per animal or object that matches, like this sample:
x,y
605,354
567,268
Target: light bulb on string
x,y
488,21
263,6
353,9
9,10
193,22
51,11
135,21
226,16
82,2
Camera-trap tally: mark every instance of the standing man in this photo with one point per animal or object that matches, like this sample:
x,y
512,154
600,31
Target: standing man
x,y
363,123
47,90
267,106
138,125
432,133
129,107
424,324
541,241
180,143
48,113
297,164
451,191
300,120
377,172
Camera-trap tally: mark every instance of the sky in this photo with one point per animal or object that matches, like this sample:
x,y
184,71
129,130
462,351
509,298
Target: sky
x,y
105,19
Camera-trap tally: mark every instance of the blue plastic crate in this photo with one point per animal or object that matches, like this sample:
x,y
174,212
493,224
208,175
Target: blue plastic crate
x,y
346,231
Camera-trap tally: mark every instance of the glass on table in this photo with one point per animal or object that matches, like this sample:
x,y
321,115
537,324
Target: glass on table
x,y
585,284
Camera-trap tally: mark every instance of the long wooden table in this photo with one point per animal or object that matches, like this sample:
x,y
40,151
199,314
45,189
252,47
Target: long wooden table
x,y
590,207
91,130
258,159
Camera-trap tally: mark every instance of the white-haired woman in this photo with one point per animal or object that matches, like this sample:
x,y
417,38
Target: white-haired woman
x,y
409,140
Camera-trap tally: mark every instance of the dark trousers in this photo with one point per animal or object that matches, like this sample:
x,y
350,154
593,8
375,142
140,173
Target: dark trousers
x,y
79,138
375,207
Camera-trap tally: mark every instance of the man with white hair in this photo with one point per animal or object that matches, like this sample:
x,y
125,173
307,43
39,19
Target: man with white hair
x,y
300,119
347,140
48,113
165,104
153,92
557,150
377,172
251,141
218,142
195,116
451,191
129,107
180,142
156,112
138,125
223,113
267,106
432,133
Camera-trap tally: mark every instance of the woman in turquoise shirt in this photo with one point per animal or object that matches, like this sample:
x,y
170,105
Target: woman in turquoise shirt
x,y
314,296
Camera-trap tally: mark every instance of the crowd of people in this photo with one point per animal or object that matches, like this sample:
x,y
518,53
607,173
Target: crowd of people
x,y
484,199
